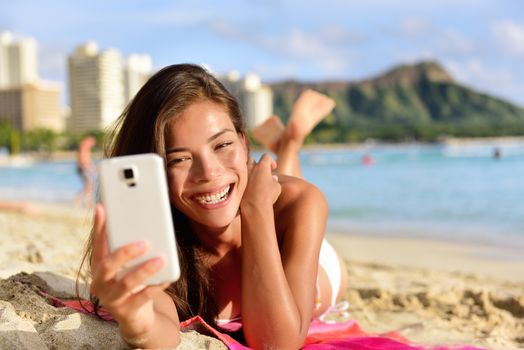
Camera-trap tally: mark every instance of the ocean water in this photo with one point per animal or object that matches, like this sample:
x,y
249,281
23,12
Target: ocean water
x,y
458,192
426,191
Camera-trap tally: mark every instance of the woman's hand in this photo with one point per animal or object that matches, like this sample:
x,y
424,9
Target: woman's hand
x,y
131,305
263,188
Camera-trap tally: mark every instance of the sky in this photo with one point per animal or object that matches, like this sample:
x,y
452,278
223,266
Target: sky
x,y
480,42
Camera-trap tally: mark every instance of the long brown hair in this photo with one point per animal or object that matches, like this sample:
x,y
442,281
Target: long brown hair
x,y
141,129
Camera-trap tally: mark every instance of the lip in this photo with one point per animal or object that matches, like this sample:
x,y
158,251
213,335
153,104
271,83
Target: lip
x,y
211,191
232,188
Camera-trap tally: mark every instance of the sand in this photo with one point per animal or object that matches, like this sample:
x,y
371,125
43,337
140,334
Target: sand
x,y
431,292
435,292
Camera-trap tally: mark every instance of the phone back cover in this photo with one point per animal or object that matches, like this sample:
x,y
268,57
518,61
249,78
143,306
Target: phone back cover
x,y
140,212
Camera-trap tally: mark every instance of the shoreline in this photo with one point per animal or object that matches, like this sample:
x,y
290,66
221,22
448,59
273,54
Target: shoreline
x,y
499,245
463,235
504,250
433,254
396,248
32,156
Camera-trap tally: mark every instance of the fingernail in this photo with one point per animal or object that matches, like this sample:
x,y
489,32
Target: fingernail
x,y
140,244
158,261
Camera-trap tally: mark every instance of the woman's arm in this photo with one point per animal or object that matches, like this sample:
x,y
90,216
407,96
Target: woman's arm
x,y
163,332
278,285
146,318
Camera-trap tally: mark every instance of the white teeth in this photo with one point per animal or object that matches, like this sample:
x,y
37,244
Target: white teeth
x,y
215,198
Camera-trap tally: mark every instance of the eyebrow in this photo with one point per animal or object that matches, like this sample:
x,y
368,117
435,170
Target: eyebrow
x,y
215,136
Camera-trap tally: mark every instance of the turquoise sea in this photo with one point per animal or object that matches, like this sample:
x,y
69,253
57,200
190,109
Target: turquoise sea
x,y
459,192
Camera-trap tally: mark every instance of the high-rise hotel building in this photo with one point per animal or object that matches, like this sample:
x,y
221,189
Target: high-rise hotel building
x,y
100,85
32,106
18,60
96,90
255,98
136,72
26,102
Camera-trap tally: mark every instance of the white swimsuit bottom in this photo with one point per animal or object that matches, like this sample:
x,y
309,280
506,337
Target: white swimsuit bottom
x,y
329,262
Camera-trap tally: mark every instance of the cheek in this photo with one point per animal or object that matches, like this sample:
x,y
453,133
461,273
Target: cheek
x,y
240,157
175,188
242,170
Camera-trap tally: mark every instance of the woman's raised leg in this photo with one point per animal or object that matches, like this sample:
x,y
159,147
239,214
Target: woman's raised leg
x,y
308,110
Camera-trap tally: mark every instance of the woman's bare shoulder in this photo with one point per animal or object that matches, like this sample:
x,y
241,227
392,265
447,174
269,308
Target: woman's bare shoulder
x,y
297,192
300,208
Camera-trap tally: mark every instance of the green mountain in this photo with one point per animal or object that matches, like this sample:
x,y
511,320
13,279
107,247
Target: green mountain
x,y
409,102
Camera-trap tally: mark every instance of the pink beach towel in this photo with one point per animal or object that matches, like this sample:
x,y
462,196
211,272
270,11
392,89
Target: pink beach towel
x,y
321,336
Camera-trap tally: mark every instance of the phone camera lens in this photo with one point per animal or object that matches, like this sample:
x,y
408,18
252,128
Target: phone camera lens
x,y
128,173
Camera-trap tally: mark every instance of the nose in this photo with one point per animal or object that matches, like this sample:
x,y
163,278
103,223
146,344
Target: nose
x,y
206,168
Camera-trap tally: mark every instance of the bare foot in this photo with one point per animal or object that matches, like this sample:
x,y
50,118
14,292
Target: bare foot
x,y
269,133
309,109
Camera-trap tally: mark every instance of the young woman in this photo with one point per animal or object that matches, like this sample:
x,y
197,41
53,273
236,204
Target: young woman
x,y
249,238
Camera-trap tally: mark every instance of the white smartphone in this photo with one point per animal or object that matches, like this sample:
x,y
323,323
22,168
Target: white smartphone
x,y
135,194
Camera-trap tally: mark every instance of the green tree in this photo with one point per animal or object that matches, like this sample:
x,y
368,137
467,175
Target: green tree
x,y
14,142
40,140
5,134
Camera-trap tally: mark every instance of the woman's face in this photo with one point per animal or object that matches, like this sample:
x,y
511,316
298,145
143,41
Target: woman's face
x,y
207,164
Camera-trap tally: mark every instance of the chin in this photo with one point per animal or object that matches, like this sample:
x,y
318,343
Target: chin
x,y
215,218
221,219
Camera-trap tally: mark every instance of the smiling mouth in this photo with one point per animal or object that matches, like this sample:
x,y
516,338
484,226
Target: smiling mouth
x,y
209,199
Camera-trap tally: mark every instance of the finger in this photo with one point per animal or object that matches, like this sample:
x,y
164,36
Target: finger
x,y
267,159
273,164
99,244
141,274
275,177
164,286
251,164
139,288
145,295
116,260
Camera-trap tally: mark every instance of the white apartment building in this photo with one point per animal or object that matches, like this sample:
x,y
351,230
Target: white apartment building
x,y
32,106
257,106
18,60
137,71
26,102
255,99
96,87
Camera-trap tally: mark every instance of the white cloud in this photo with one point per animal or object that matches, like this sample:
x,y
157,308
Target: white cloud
x,y
296,44
336,34
409,57
473,70
452,42
510,35
327,48
277,72
415,26
499,82
328,54
421,39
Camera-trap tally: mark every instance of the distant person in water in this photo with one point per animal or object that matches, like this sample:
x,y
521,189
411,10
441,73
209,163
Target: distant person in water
x,y
86,170
367,160
497,153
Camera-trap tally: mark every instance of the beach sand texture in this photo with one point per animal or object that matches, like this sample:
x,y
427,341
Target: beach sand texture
x,y
430,298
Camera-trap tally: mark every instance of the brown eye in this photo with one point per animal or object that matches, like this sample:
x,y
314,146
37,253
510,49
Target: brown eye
x,y
223,144
176,161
